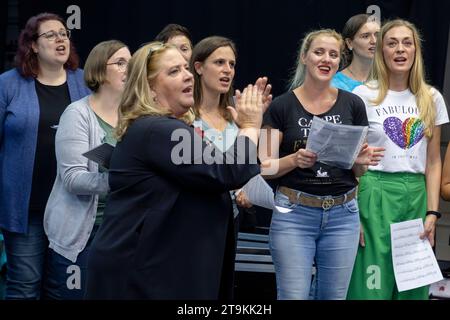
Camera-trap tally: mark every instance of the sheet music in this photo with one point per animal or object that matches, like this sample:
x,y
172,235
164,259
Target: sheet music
x,y
336,145
260,193
413,259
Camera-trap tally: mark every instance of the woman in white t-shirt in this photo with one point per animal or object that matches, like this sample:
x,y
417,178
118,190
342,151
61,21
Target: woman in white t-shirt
x,y
405,116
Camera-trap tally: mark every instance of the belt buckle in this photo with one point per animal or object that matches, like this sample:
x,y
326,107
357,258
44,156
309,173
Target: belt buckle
x,y
327,203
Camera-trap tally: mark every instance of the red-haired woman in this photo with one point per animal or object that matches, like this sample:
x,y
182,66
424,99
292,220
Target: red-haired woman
x,y
32,98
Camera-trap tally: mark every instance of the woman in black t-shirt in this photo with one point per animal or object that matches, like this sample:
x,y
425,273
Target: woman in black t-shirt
x,y
324,222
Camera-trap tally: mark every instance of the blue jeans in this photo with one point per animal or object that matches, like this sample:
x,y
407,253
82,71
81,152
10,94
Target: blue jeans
x,y
26,255
296,239
66,280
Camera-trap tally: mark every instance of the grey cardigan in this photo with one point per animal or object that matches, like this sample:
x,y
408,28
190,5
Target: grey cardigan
x,y
72,206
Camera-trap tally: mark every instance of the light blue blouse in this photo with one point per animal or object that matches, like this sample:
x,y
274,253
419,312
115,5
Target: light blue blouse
x,y
223,140
344,82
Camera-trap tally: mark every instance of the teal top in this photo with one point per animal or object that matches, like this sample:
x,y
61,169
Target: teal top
x,y
344,82
222,140
109,138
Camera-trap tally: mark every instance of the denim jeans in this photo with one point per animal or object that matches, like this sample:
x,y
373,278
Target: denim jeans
x,y
296,239
66,280
26,255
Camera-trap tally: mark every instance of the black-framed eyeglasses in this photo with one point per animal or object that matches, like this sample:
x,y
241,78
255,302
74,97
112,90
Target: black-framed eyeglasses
x,y
52,35
121,65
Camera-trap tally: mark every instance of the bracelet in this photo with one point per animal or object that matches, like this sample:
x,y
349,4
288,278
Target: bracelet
x,y
434,213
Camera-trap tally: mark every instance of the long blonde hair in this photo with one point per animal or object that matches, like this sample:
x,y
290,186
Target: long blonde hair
x,y
416,82
298,76
137,100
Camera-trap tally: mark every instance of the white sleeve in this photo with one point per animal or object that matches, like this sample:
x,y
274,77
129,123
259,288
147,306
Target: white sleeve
x,y
441,108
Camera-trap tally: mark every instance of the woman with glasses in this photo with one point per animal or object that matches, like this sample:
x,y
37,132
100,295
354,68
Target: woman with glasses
x,y
405,116
81,185
32,98
360,36
164,233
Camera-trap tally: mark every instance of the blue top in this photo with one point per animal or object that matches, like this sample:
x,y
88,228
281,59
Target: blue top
x,y
19,119
344,82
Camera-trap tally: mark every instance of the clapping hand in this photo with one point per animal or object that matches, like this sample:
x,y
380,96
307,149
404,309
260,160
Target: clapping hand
x,y
261,84
249,107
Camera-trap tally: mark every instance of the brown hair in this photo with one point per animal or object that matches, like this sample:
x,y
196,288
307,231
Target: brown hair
x,y
26,60
351,28
95,66
200,53
173,30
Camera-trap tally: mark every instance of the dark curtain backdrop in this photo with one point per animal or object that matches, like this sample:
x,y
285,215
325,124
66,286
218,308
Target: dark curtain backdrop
x,y
267,33
3,25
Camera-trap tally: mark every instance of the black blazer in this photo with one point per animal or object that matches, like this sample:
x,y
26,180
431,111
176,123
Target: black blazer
x,y
166,227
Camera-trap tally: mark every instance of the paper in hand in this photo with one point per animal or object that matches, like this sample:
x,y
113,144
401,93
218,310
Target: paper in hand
x,y
414,262
336,145
260,193
101,154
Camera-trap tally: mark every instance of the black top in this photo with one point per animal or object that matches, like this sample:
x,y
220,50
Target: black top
x,y
166,226
287,114
52,102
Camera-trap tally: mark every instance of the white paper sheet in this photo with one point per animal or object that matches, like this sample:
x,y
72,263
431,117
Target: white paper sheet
x,y
260,193
414,262
336,145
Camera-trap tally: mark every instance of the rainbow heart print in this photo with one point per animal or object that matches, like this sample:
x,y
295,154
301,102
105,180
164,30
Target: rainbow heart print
x,y
405,134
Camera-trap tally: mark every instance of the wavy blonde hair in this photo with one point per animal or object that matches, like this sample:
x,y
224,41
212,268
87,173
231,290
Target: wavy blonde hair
x,y
422,91
137,101
298,76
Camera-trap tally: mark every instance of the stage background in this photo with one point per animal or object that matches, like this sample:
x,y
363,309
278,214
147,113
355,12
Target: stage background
x,y
267,33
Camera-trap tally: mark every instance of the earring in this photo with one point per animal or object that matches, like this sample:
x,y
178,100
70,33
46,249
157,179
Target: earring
x,y
155,99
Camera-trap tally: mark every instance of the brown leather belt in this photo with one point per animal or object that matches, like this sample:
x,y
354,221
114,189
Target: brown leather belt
x,y
326,202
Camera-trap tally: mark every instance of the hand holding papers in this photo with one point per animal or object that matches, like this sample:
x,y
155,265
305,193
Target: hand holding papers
x,y
101,154
336,145
414,262
260,193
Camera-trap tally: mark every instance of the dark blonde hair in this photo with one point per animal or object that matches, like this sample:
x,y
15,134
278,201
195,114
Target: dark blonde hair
x,y
416,82
137,101
95,66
